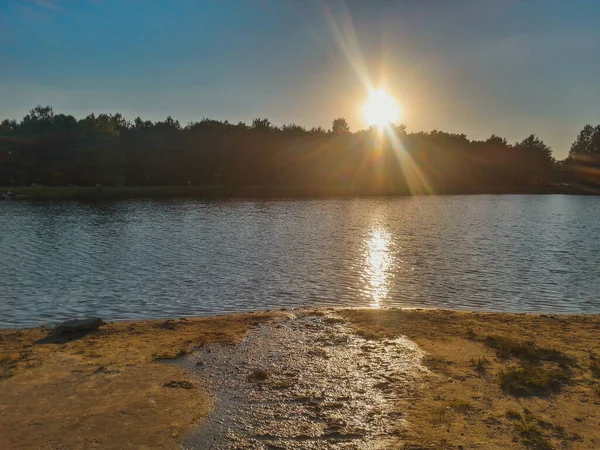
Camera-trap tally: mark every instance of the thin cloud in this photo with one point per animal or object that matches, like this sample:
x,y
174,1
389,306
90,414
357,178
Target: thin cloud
x,y
41,8
46,4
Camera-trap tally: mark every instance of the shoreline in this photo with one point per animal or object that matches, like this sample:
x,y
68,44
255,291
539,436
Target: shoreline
x,y
463,402
300,309
256,192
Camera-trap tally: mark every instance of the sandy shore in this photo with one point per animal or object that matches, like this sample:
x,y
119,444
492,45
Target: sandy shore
x,y
499,380
489,381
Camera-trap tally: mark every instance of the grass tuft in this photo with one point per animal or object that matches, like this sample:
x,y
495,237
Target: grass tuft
x,y
443,413
258,376
8,364
171,354
283,384
595,368
439,414
528,379
480,364
531,436
511,414
528,351
461,406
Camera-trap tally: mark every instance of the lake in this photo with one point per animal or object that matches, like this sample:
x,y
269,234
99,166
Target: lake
x,y
147,259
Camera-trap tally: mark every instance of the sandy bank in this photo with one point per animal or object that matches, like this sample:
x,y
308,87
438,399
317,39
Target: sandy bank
x,y
495,381
106,389
499,380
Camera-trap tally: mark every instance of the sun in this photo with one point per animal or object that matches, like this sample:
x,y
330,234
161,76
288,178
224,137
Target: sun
x,y
381,109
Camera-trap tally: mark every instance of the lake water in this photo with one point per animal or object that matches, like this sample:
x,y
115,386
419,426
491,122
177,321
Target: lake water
x,y
143,259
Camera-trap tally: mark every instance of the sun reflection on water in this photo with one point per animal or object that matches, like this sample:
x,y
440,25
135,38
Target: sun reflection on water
x,y
377,264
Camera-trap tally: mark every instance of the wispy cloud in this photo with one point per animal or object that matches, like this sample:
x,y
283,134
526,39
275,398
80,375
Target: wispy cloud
x,y
46,4
41,9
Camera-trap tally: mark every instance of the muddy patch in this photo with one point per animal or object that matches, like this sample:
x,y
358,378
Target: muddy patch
x,y
306,382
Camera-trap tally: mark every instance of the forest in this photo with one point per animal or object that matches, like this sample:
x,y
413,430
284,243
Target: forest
x,y
49,149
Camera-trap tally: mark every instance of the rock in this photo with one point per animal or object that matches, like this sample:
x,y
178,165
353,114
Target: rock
x,y
78,325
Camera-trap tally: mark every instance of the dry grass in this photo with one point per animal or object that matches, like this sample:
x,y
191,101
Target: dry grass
x,y
595,369
109,389
529,379
460,405
258,376
508,347
531,436
480,364
551,398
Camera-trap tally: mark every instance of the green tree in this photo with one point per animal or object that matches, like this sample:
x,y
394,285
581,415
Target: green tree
x,y
496,141
261,124
583,164
99,156
292,128
587,142
534,160
340,126
7,126
537,149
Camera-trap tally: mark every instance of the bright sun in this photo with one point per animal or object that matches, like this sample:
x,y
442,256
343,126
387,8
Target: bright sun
x,y
381,109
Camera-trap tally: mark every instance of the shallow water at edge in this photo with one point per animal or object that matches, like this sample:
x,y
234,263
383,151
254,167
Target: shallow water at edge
x,y
306,382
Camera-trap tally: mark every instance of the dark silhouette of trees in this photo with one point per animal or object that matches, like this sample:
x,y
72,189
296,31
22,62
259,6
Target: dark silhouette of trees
x,y
261,124
56,149
587,142
98,155
533,161
340,126
582,166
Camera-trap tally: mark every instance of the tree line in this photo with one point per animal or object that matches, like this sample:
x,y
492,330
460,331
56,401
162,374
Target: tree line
x,y
52,149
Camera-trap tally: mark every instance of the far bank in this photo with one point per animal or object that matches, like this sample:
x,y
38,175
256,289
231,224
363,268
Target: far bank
x,y
257,192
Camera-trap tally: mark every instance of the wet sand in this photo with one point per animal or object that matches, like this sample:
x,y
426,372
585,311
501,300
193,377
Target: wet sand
x,y
351,379
306,381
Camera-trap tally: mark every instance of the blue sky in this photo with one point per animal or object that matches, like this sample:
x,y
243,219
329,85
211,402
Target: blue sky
x,y
478,67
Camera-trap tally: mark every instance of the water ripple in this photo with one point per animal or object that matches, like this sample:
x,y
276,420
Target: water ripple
x,y
139,259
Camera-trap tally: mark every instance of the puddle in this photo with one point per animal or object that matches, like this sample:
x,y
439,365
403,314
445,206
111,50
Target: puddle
x,y
305,382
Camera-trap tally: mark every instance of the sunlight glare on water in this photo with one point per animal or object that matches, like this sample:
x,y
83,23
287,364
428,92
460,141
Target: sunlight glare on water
x,y
378,262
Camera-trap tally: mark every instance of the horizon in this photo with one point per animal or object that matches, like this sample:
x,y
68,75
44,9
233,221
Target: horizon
x,y
474,68
280,126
